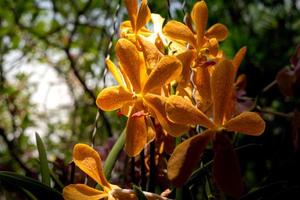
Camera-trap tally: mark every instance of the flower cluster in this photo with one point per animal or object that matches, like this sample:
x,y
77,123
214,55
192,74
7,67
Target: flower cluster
x,y
177,77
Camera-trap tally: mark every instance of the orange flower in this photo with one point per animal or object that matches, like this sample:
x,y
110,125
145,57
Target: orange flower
x,y
89,161
206,47
137,94
182,111
138,18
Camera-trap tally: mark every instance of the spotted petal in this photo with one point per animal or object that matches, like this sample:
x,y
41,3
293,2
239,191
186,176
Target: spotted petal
x,y
182,111
132,7
113,98
81,191
179,31
200,16
218,31
130,61
136,132
238,58
144,15
221,88
89,161
186,59
157,104
249,123
168,69
151,53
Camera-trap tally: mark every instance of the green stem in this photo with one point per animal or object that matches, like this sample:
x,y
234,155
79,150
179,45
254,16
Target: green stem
x,y
113,155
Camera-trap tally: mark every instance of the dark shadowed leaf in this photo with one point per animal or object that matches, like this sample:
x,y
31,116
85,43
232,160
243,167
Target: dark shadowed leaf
x,y
39,190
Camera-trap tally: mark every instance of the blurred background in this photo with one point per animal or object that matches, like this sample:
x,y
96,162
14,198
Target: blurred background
x,y
52,67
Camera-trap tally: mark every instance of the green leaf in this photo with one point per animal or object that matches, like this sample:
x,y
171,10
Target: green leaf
x,y
139,193
39,190
45,172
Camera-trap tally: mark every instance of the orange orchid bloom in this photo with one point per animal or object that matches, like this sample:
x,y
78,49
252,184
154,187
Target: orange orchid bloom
x,y
138,94
206,47
89,161
138,18
201,40
182,111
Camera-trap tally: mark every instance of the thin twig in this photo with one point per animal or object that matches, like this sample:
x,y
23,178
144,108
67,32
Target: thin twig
x,y
12,151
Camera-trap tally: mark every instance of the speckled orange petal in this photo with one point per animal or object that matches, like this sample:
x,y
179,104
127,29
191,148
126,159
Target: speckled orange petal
x,y
136,132
132,8
168,69
249,123
179,31
202,81
115,72
218,31
157,104
221,88
186,59
186,156
113,98
200,16
81,191
238,58
151,53
89,161
131,62
144,15
182,111
213,46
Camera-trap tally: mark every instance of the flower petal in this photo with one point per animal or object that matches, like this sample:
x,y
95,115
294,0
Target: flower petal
x,y
151,53
182,111
186,59
200,16
113,98
221,88
136,132
131,62
115,72
157,104
168,69
81,191
218,31
89,161
226,169
186,156
132,8
202,81
249,123
179,31
144,15
238,58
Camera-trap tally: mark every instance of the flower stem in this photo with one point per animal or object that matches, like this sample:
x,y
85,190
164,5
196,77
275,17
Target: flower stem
x,y
151,183
113,155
